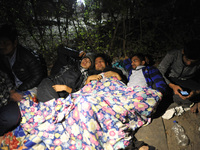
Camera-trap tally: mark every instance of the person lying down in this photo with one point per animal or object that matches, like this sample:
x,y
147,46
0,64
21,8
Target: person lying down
x,y
99,116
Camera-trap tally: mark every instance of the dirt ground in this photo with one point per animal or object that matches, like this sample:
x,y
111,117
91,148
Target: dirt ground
x,y
160,135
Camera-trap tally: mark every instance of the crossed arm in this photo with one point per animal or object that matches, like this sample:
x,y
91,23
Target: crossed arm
x,y
59,88
106,74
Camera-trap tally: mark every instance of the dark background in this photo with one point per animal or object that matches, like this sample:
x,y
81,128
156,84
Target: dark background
x,y
116,27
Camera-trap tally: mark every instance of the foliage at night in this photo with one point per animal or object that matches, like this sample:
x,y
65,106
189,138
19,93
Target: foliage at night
x,y
116,27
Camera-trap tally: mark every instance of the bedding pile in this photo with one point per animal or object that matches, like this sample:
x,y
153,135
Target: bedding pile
x,y
97,117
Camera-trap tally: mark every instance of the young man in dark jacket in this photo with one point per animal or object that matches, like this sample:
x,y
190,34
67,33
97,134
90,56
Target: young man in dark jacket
x,y
22,67
10,115
181,70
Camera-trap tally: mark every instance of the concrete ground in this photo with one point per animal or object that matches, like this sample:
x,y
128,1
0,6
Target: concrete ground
x,y
160,135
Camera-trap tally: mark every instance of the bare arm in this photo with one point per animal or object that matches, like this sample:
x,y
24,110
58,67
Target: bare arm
x,y
192,93
112,74
15,96
59,88
93,77
175,88
82,54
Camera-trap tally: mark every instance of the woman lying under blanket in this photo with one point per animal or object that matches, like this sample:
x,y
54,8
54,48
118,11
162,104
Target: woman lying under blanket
x,y
96,117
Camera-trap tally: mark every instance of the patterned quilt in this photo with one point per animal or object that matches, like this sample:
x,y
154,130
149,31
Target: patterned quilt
x,y
97,117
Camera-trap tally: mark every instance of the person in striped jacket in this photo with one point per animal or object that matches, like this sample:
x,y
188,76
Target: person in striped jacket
x,y
141,74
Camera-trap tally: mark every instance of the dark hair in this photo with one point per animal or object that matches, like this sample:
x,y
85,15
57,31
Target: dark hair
x,y
192,49
139,55
106,58
8,31
149,60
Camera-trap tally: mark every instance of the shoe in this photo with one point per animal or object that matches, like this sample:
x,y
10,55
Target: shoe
x,y
169,114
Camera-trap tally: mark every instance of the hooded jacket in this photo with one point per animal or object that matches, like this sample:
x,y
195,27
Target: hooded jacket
x,y
173,66
27,68
71,75
65,57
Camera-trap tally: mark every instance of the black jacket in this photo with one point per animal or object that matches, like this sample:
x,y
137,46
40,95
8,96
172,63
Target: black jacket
x,y
27,68
66,71
65,56
5,86
70,75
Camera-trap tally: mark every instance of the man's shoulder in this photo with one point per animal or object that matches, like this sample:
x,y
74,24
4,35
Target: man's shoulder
x,y
175,51
151,69
172,56
25,51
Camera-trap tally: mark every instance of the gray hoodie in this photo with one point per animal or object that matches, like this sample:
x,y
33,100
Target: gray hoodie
x,y
173,66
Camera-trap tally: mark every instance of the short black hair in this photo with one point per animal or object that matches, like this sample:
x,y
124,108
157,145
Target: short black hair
x,y
139,55
192,49
8,31
105,57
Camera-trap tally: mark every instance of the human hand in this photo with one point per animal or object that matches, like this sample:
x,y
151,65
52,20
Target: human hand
x,y
193,93
112,74
144,147
59,88
82,54
15,96
93,77
176,89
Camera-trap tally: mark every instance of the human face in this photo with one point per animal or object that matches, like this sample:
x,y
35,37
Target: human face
x,y
7,47
136,62
188,62
100,64
86,63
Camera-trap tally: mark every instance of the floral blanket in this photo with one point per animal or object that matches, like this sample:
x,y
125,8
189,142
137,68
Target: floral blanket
x,y
97,117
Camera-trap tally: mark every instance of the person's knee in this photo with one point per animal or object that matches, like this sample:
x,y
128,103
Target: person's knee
x,y
10,117
180,101
177,99
14,119
9,123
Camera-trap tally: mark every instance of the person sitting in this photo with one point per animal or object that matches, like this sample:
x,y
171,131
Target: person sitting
x,y
10,115
142,75
65,56
70,79
20,64
181,70
103,65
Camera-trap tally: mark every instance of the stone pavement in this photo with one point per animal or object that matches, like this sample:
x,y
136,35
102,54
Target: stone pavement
x,y
160,135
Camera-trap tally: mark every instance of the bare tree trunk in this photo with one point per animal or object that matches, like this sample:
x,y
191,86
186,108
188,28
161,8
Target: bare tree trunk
x,y
114,36
124,36
58,20
38,26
